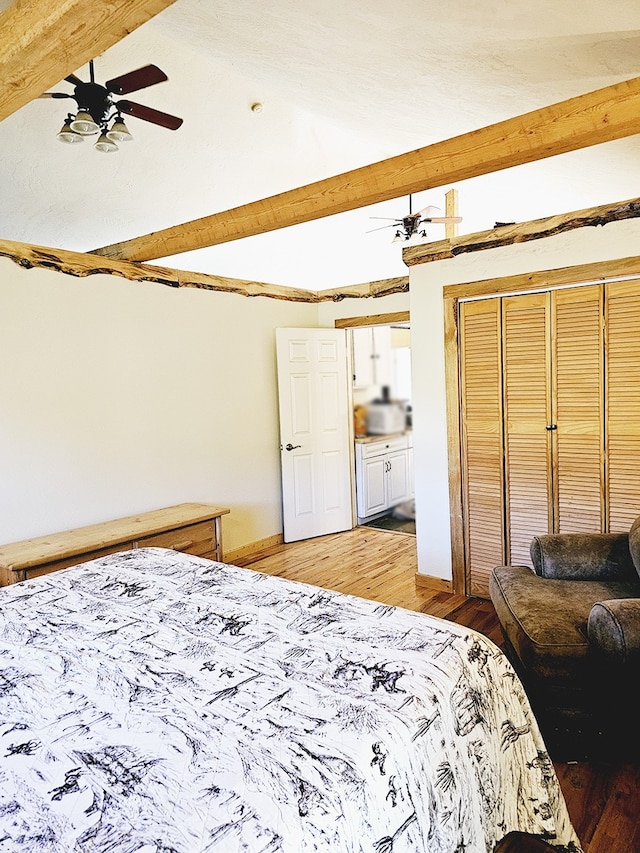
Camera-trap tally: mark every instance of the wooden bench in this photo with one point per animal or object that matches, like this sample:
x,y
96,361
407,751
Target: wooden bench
x,y
195,528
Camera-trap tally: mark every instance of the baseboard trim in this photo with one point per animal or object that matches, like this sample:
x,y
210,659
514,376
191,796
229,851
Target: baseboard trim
x,y
428,582
253,551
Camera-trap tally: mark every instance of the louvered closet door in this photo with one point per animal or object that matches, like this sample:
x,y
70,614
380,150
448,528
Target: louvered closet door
x,y
578,447
481,410
622,316
527,413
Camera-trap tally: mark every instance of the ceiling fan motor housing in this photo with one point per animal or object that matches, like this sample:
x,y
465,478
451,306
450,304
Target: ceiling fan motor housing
x,y
410,223
95,99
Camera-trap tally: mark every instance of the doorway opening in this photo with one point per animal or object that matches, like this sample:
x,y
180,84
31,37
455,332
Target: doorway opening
x,y
382,408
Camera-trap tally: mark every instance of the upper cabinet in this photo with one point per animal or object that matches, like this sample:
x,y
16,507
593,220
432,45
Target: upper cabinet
x,y
372,360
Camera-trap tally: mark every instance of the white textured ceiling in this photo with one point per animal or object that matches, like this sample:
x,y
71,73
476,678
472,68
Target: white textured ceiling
x,y
342,85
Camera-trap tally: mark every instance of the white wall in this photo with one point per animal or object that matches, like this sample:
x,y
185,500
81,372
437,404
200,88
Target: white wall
x,y
118,397
588,245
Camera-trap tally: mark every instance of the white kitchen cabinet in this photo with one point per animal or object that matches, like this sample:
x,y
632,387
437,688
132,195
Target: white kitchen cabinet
x,y
372,362
383,475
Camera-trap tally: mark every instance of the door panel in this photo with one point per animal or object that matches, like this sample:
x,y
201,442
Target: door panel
x,y
398,477
303,487
374,494
300,392
481,410
623,403
578,410
527,413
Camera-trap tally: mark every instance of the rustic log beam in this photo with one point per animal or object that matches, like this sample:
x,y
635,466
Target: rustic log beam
x,y
600,116
80,265
41,41
507,235
375,289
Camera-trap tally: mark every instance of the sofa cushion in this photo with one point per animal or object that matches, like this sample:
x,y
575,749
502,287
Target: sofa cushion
x,y
613,629
634,543
545,620
584,556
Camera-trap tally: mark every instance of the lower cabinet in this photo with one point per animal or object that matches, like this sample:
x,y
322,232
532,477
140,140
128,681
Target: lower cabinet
x,y
383,475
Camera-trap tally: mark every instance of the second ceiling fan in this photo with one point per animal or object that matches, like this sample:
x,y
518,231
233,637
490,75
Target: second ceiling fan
x,y
409,227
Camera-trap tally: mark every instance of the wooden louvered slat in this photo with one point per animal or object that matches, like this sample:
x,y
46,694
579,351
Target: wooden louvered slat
x,y
577,364
527,413
622,312
481,411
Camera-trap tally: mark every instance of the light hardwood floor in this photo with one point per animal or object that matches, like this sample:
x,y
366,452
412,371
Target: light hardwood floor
x,y
603,798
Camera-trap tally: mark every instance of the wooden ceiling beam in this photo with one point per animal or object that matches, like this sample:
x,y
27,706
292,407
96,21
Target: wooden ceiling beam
x,y
590,119
43,41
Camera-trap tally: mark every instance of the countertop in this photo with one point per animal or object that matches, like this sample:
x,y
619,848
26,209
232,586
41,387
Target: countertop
x,y
365,439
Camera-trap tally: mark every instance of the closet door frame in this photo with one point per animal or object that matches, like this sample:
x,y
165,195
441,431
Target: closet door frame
x,y
575,276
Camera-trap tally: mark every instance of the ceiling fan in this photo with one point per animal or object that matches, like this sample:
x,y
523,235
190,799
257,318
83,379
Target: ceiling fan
x,y
97,107
408,228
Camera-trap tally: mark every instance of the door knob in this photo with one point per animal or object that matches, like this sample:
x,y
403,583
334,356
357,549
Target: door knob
x,y
292,446
551,426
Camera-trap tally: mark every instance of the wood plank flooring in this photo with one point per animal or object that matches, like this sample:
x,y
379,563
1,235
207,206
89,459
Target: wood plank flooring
x,y
603,799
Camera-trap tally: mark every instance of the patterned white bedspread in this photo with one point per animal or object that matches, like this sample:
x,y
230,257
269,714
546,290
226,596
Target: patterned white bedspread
x,y
154,702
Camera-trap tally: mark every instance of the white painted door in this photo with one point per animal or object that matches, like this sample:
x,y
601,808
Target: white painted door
x,y
315,432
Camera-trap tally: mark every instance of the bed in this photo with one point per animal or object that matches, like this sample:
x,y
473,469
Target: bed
x,y
156,702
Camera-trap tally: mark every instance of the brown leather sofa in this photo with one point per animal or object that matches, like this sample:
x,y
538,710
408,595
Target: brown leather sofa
x,y
571,628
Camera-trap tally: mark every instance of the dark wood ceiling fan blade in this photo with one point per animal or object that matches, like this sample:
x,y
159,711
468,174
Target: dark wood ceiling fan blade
x,y
71,78
148,114
149,75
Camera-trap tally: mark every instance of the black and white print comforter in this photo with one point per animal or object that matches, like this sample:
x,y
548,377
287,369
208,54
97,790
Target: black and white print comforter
x,y
154,702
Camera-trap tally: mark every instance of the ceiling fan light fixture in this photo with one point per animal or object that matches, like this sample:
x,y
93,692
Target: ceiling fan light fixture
x,y
83,123
416,238
119,131
66,134
104,144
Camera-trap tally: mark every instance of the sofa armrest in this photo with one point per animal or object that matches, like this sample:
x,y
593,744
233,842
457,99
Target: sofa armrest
x,y
613,629
583,556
